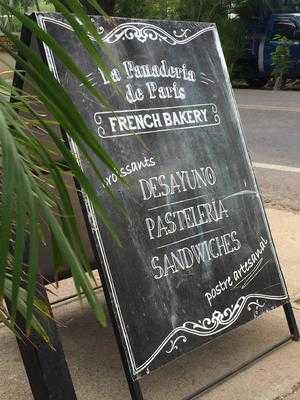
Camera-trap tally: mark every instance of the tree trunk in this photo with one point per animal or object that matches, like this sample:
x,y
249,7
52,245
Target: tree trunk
x,y
280,82
107,5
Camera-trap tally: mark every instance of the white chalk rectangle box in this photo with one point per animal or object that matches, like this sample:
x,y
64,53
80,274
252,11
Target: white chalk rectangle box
x,y
112,124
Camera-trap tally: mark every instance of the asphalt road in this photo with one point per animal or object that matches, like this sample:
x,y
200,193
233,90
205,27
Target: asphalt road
x,y
271,123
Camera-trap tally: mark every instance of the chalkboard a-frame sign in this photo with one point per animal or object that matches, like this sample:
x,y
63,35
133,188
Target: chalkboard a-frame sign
x,y
197,258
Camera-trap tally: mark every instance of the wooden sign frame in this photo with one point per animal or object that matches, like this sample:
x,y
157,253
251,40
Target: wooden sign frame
x,y
36,359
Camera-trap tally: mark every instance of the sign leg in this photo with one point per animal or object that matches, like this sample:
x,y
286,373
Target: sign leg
x,y
47,369
135,389
291,320
134,386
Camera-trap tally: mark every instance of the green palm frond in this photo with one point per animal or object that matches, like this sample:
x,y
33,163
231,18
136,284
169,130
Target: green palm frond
x,y
33,188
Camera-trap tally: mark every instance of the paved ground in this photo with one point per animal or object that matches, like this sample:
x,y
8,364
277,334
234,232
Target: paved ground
x,y
271,122
95,365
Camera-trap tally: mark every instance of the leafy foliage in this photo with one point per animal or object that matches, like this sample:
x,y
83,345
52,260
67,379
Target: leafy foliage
x,y
248,9
281,60
164,9
231,30
24,4
34,192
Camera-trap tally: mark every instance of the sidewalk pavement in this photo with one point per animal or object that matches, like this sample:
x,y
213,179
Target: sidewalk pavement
x,y
95,364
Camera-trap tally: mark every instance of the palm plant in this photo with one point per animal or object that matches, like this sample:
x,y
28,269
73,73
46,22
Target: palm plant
x,y
281,61
248,9
32,184
106,5
231,30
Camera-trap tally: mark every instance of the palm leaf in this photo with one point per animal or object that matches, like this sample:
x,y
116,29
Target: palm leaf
x,y
29,175
8,178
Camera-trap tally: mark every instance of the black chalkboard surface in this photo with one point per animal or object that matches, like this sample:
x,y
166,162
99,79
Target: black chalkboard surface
x,y
197,257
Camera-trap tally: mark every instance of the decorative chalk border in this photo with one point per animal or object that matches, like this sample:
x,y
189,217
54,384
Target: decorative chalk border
x,y
140,31
219,321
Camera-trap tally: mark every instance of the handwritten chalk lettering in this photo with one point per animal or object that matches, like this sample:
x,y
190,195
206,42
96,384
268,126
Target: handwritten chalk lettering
x,y
114,75
165,92
177,182
185,117
138,122
163,119
134,122
184,219
131,70
128,169
161,70
167,119
112,178
132,96
197,254
221,287
250,263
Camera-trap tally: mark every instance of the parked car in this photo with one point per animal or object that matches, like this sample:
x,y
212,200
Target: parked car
x,y
262,43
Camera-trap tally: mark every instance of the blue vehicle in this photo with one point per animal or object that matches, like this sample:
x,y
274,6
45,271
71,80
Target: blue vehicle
x,y
262,45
